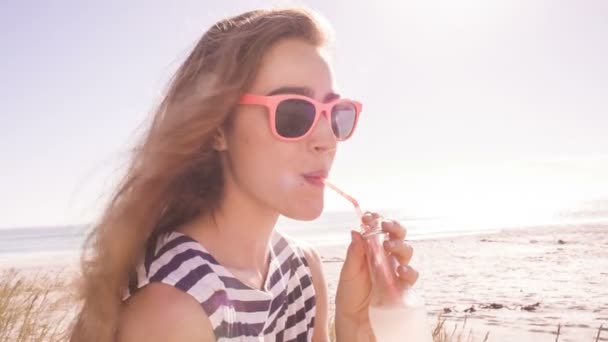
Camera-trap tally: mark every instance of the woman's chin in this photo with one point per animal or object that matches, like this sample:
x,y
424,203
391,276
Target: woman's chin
x,y
304,212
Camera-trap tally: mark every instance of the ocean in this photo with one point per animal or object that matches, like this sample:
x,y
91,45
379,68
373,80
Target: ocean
x,y
60,244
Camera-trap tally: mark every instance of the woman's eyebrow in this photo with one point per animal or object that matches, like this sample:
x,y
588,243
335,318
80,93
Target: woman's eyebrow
x,y
304,91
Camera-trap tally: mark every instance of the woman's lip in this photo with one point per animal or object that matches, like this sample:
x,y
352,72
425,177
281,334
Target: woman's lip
x,y
315,180
316,174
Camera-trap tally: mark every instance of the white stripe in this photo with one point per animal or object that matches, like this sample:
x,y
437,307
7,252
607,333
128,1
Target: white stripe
x,y
251,317
142,277
247,295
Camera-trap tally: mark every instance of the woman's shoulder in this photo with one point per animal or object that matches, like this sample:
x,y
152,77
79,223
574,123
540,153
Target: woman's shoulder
x,y
163,313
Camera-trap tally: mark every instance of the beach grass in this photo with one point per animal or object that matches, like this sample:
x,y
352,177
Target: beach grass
x,y
38,306
33,307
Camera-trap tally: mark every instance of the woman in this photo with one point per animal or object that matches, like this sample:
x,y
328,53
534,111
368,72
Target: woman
x,y
186,249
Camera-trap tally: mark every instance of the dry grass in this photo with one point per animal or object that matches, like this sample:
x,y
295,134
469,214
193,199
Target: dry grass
x,y
39,307
33,307
457,334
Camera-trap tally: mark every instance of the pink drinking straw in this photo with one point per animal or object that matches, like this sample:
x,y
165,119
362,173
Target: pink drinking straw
x,y
347,196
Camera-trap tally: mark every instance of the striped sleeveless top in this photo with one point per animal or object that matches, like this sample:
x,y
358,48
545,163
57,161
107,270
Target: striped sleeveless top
x,y
284,310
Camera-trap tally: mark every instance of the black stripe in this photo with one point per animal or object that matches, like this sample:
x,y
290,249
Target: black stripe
x,y
304,261
216,300
250,305
180,239
275,278
176,261
279,337
310,303
279,246
233,283
237,329
305,281
193,277
185,239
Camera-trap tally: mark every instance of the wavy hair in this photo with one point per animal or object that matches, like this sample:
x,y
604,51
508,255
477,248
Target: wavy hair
x,y
175,173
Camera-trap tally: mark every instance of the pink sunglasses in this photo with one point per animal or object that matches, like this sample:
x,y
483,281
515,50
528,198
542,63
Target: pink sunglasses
x,y
293,117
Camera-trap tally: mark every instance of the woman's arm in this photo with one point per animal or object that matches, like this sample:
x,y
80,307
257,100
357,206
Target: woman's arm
x,y
159,312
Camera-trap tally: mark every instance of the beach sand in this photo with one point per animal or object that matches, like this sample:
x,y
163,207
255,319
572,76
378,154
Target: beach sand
x,y
515,269
558,273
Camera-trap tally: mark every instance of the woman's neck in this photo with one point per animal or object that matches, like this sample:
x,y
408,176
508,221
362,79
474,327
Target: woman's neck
x,y
238,233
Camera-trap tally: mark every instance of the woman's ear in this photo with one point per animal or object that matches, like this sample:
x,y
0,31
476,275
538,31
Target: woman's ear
x,y
219,140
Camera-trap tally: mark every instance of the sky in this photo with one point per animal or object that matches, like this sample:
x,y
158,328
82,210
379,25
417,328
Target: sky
x,y
469,106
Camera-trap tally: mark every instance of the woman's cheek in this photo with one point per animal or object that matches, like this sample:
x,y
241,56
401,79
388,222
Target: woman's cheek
x,y
287,182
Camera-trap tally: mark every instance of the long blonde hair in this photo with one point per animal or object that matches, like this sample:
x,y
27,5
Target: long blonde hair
x,y
175,174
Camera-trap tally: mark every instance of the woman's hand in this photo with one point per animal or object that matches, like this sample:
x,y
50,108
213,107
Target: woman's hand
x,y
354,287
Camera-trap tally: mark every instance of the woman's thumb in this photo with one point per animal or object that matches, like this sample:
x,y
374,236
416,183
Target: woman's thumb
x,y
355,257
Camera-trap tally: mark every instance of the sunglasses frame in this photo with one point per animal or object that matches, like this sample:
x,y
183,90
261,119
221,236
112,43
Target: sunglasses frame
x,y
271,102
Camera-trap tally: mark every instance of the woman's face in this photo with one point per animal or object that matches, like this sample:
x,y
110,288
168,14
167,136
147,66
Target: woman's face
x,y
271,171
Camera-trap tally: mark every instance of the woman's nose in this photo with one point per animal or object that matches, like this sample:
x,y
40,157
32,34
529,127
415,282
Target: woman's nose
x,y
322,137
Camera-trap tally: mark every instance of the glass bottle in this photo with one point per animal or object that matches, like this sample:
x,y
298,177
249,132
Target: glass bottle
x,y
396,312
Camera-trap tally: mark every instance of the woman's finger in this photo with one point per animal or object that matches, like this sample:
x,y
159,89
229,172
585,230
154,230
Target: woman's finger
x,y
407,274
369,218
400,250
395,229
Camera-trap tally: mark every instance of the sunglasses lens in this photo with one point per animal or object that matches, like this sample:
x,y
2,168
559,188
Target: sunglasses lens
x,y
343,116
294,118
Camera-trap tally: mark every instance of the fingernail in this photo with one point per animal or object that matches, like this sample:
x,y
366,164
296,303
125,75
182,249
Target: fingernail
x,y
404,269
387,224
392,243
